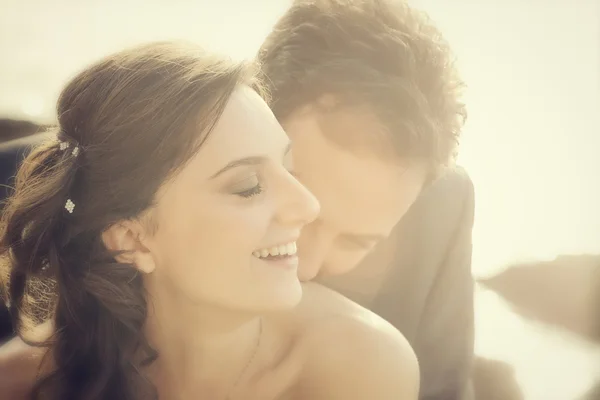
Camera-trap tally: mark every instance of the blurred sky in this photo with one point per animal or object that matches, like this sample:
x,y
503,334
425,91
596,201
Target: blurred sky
x,y
531,142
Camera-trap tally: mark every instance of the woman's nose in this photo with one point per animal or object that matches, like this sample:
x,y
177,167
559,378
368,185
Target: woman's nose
x,y
298,205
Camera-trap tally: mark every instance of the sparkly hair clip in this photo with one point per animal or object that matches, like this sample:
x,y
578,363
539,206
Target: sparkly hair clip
x,y
69,206
65,145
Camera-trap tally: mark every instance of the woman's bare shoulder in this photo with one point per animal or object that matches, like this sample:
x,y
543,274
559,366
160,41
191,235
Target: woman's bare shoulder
x,y
323,305
351,353
19,365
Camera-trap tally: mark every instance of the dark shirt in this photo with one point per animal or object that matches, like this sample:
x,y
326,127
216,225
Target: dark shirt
x,y
429,293
420,280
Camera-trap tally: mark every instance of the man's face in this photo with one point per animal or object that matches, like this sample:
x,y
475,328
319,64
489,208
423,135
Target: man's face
x,y
362,194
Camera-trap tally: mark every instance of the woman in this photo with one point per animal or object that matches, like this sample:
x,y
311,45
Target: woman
x,y
162,225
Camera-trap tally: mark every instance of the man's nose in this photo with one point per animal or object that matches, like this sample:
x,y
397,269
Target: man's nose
x,y
313,247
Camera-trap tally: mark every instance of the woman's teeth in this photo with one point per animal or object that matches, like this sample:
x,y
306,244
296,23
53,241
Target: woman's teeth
x,y
281,250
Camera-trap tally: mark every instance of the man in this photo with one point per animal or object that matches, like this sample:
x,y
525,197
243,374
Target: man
x,y
369,95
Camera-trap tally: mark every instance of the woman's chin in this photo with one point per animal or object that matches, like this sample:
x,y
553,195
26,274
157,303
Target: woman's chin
x,y
285,296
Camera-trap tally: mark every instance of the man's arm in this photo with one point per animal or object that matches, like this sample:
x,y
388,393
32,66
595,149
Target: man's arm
x,y
429,292
445,336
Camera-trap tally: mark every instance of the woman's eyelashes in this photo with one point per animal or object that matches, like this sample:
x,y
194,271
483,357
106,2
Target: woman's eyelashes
x,y
253,191
252,186
248,187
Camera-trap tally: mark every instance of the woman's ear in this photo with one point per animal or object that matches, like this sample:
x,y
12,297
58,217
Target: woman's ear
x,y
123,238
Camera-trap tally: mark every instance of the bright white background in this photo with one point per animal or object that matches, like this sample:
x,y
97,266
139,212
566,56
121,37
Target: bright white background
x,y
531,142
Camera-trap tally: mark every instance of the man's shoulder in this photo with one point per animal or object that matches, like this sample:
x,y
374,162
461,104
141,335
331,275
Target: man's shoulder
x,y
457,177
439,221
448,195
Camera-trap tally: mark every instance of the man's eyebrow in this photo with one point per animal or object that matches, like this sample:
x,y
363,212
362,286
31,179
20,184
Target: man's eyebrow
x,y
247,161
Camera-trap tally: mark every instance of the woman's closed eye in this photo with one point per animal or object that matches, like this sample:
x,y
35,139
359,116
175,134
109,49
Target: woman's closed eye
x,y
249,187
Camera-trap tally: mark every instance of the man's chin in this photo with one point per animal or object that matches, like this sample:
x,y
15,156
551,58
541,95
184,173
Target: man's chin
x,y
306,276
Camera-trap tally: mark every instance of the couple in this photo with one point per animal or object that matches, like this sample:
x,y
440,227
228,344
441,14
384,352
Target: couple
x,y
167,219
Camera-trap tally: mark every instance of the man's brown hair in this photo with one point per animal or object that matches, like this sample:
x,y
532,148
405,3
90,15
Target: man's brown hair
x,y
375,53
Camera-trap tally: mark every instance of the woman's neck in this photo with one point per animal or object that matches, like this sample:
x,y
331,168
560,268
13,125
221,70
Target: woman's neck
x,y
201,349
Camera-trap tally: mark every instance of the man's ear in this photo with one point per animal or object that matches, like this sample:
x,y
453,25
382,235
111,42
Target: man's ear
x,y
124,239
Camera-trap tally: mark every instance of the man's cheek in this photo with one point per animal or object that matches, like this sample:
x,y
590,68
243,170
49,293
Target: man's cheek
x,y
344,262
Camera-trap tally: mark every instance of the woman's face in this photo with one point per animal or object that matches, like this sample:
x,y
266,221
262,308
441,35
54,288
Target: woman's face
x,y
224,218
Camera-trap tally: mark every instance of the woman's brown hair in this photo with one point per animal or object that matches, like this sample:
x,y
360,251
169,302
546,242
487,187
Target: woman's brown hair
x,y
136,117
